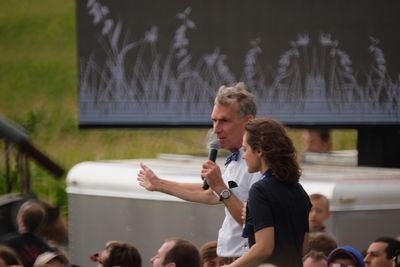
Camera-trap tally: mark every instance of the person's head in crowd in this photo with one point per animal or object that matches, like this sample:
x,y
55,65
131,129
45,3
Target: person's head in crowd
x,y
268,139
55,228
321,241
209,257
320,212
116,253
233,107
100,256
176,252
31,217
51,259
314,259
345,256
8,257
382,252
317,140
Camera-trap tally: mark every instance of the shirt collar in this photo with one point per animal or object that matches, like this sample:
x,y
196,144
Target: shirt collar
x,y
233,157
269,173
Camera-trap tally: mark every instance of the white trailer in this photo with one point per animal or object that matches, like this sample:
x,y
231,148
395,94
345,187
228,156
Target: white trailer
x,y
106,203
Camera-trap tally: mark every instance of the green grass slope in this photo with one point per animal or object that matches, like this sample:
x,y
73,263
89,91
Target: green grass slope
x,y
38,89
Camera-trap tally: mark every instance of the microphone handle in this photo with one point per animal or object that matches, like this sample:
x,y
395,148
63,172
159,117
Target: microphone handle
x,y
211,156
205,185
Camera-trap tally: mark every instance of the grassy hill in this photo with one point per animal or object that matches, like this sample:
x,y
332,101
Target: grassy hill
x,y
38,89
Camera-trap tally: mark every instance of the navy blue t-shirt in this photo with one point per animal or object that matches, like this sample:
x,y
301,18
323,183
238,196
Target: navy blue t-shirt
x,y
285,207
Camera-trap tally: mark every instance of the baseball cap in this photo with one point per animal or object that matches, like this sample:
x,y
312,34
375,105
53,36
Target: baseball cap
x,y
351,252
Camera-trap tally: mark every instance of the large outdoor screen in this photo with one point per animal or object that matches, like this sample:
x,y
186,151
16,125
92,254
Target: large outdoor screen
x,y
159,63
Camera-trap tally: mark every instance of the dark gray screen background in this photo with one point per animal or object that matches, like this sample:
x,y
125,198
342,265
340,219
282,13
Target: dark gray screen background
x,y
159,63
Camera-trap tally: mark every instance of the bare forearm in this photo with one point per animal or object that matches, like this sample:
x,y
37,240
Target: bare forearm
x,y
187,191
260,251
253,257
212,174
234,206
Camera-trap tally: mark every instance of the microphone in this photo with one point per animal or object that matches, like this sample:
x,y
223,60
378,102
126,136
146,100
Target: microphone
x,y
213,146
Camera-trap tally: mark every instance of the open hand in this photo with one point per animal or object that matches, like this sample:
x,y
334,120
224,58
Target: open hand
x,y
147,178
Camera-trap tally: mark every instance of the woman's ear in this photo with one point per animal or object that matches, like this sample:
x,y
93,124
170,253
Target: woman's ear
x,y
259,152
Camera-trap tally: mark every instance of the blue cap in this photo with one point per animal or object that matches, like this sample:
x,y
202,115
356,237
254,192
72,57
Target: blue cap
x,y
349,251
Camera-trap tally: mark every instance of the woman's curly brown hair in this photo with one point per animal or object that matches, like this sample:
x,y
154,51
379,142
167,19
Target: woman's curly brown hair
x,y
278,150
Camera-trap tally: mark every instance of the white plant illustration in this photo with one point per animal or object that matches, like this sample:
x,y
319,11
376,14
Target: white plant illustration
x,y
310,71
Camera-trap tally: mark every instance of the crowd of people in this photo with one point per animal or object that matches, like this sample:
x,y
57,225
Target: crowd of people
x,y
279,221
31,246
270,220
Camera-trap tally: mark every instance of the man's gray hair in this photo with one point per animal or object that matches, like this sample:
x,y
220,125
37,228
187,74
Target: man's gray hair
x,y
237,92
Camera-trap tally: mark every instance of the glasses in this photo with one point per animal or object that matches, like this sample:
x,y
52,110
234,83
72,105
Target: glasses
x,y
340,265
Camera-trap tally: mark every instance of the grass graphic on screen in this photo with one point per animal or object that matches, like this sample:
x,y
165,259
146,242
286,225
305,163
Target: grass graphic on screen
x,y
308,72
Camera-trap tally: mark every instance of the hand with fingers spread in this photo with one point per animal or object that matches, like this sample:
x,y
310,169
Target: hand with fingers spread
x,y
147,178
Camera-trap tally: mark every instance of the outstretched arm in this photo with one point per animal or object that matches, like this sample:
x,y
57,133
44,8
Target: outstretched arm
x,y
186,191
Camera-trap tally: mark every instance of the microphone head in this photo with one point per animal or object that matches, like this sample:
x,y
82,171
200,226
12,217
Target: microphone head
x,y
213,142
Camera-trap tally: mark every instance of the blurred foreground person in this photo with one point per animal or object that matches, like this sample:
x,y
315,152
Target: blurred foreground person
x,y
55,230
8,257
27,243
176,252
278,206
